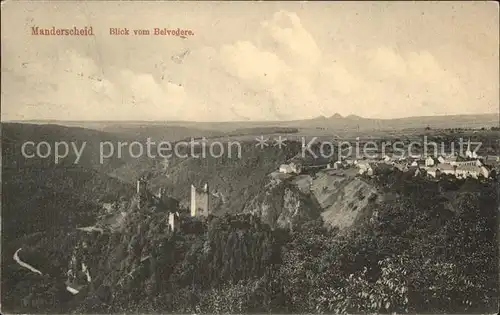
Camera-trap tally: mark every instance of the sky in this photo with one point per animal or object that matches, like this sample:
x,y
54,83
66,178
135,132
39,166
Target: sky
x,y
250,60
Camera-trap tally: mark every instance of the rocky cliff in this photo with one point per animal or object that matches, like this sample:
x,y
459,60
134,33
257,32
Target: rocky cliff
x,y
343,198
339,197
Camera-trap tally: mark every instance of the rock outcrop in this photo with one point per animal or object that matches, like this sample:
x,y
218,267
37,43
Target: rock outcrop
x,y
338,197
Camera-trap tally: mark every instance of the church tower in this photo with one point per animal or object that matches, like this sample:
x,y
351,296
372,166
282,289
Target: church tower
x,y
468,153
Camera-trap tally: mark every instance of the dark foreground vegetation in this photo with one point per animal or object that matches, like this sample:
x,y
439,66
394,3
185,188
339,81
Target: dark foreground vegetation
x,y
433,249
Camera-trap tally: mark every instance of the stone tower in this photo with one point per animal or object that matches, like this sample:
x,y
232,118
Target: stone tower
x,y
141,185
200,201
141,191
173,221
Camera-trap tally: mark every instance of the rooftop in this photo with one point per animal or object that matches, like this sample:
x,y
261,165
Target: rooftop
x,y
469,168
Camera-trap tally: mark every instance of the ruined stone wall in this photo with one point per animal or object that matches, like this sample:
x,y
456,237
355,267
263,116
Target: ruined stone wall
x,y
200,201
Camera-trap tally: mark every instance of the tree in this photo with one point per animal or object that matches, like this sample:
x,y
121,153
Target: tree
x,y
356,294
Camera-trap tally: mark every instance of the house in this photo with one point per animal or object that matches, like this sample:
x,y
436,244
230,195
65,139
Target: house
x,y
473,171
108,207
418,163
350,162
301,164
435,171
367,171
286,168
417,172
366,167
485,171
469,163
447,169
459,171
449,159
292,167
430,161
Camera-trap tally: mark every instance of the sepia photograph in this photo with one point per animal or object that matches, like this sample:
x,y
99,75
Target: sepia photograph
x,y
250,157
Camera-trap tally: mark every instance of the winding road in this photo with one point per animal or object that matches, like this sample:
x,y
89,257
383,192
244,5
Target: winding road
x,y
25,265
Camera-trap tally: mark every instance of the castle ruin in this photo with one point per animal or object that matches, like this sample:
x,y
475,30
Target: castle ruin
x,y
161,200
200,201
141,192
173,221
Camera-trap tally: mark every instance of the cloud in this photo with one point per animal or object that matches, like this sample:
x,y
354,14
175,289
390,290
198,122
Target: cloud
x,y
280,71
76,84
386,62
244,60
293,41
155,96
280,65
410,81
286,65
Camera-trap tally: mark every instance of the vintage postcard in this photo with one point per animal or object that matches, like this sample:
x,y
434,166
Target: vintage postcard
x,y
249,157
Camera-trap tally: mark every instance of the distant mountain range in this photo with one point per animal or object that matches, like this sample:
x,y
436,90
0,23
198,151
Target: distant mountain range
x,y
333,122
336,121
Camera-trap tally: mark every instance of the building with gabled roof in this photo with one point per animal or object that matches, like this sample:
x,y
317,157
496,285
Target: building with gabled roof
x,y
469,153
473,171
